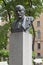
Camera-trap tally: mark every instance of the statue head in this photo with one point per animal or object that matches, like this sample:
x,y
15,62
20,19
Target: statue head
x,y
20,11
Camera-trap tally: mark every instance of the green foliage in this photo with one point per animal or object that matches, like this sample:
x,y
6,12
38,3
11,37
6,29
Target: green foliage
x,y
33,7
33,54
3,36
4,53
3,41
31,30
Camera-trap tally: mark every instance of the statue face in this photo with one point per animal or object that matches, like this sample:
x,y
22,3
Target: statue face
x,y
20,11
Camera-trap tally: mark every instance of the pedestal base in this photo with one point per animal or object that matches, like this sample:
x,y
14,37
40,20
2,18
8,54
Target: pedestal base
x,y
20,49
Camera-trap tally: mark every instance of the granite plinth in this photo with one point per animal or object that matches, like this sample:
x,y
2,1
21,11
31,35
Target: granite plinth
x,y
20,50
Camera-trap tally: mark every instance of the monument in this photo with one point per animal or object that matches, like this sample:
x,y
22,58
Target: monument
x,y
20,39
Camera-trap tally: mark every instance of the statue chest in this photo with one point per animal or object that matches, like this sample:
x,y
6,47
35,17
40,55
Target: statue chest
x,y
18,25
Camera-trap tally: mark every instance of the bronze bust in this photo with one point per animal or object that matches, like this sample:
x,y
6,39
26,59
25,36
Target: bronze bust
x,y
22,23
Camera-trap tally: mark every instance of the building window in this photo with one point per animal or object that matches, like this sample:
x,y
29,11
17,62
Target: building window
x,y
38,45
38,54
38,34
38,23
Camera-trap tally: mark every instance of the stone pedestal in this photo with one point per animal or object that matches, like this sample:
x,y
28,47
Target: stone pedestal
x,y
20,49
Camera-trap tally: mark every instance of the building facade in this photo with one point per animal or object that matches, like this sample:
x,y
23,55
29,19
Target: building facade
x,y
38,46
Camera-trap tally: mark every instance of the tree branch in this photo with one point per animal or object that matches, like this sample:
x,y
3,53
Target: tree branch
x,y
7,10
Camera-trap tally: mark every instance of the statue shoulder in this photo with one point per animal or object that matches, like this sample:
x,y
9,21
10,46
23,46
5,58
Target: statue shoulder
x,y
30,18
